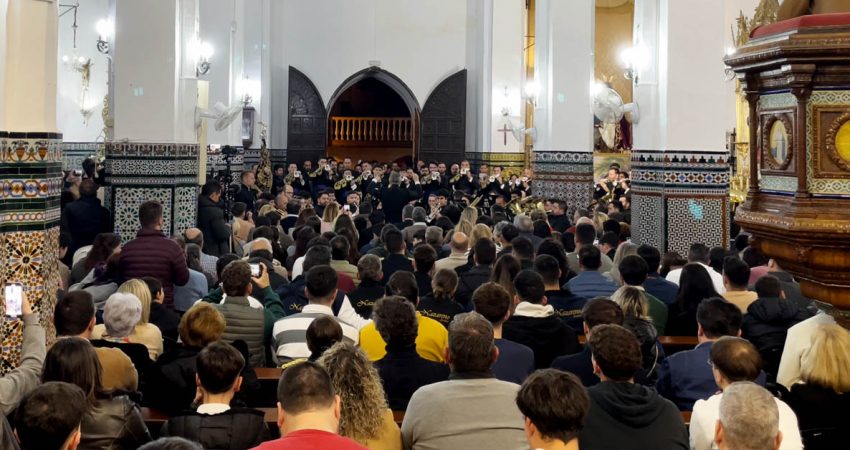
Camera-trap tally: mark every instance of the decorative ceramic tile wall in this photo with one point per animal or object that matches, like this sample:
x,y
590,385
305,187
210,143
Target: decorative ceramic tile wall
x,y
74,153
30,185
137,172
564,175
680,197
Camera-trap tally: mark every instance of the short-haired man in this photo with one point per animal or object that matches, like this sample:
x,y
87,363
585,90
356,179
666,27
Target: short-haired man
x,y
734,359
686,377
371,286
589,282
484,255
505,235
211,220
655,284
432,337
516,361
567,305
608,243
698,253
535,324
151,254
768,319
248,190
196,236
748,419
597,311
85,218
475,410
244,322
558,219
420,223
396,259
459,246
736,275
290,332
402,370
525,225
523,250
340,248
585,236
633,271
49,417
74,315
554,405
424,259
215,424
308,411
624,414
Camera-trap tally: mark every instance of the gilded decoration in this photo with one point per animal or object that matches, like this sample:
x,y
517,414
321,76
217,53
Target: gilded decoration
x,y
837,143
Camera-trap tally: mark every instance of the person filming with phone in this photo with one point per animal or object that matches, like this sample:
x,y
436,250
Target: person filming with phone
x,y
25,378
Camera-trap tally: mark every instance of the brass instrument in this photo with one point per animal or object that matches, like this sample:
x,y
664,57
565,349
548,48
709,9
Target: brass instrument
x,y
288,179
455,178
316,172
525,205
341,183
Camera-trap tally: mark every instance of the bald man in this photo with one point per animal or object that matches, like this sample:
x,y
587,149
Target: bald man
x,y
196,236
459,247
795,8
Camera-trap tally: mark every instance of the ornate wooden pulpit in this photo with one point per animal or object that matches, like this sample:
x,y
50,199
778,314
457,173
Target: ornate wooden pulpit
x,y
796,76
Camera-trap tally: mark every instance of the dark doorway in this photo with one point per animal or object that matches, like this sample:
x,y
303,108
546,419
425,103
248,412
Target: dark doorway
x,y
444,121
373,116
307,120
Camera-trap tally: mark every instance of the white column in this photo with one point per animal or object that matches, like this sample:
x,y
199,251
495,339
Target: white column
x,y
29,66
682,90
479,57
222,25
507,73
564,72
155,91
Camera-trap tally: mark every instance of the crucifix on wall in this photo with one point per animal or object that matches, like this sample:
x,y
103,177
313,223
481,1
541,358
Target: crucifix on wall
x,y
504,130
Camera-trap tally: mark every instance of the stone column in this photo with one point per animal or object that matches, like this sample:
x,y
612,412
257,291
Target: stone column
x,y
30,163
563,151
680,170
154,154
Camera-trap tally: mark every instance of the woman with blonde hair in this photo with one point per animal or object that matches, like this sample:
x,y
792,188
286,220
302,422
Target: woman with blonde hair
x,y
623,250
143,332
364,415
329,217
465,227
440,304
480,231
469,214
822,400
636,319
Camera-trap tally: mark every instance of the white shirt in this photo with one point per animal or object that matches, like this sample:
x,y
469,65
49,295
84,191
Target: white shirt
x,y
213,408
297,267
290,332
706,413
798,340
716,278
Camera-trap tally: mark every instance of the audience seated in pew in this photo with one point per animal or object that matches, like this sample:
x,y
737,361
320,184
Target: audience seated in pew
x,y
516,361
49,417
694,287
632,271
637,320
749,418
597,311
165,319
554,405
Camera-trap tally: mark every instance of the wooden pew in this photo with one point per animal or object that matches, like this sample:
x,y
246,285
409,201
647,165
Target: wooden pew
x,y
155,419
671,344
268,378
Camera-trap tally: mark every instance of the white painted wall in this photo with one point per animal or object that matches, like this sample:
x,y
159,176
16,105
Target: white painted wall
x,y
421,42
222,24
4,4
69,98
683,95
507,72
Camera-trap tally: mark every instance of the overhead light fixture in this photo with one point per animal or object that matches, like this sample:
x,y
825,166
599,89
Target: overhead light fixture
x,y
105,29
634,60
248,90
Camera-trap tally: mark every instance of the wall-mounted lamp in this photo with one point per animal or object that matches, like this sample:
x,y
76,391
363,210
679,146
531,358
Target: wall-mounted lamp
x,y
532,92
201,52
247,90
105,28
635,60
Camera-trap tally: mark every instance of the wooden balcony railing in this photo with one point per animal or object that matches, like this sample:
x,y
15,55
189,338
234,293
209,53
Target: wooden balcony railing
x,y
371,131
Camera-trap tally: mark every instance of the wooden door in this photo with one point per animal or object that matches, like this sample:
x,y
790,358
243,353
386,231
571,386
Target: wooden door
x,y
307,119
442,135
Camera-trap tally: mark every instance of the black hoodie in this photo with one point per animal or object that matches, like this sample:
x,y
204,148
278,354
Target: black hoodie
x,y
548,337
766,325
627,415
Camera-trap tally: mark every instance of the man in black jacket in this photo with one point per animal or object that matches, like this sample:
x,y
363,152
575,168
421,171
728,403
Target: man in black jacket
x,y
211,220
558,219
396,259
484,255
248,191
597,311
393,197
624,414
534,323
85,218
371,286
215,424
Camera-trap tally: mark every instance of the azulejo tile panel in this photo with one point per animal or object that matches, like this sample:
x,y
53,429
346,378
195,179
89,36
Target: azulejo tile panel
x,y
30,147
185,208
680,197
564,175
74,153
823,186
127,201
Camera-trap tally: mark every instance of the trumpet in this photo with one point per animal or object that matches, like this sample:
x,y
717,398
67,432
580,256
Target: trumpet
x,y
492,178
316,172
454,179
342,183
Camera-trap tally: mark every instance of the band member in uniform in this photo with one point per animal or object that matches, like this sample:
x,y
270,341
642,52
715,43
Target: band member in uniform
x,y
607,185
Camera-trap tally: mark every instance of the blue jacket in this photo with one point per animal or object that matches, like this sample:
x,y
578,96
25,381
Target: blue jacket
x,y
590,284
686,377
660,288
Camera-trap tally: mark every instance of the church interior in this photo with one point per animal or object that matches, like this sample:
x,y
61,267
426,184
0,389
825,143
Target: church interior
x,y
690,124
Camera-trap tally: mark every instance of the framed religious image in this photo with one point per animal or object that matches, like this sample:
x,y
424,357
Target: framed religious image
x,y
831,132
777,142
248,126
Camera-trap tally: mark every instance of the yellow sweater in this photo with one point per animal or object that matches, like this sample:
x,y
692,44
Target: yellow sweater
x,y
431,343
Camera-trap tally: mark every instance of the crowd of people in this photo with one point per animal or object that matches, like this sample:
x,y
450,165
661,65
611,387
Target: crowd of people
x,y
381,290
